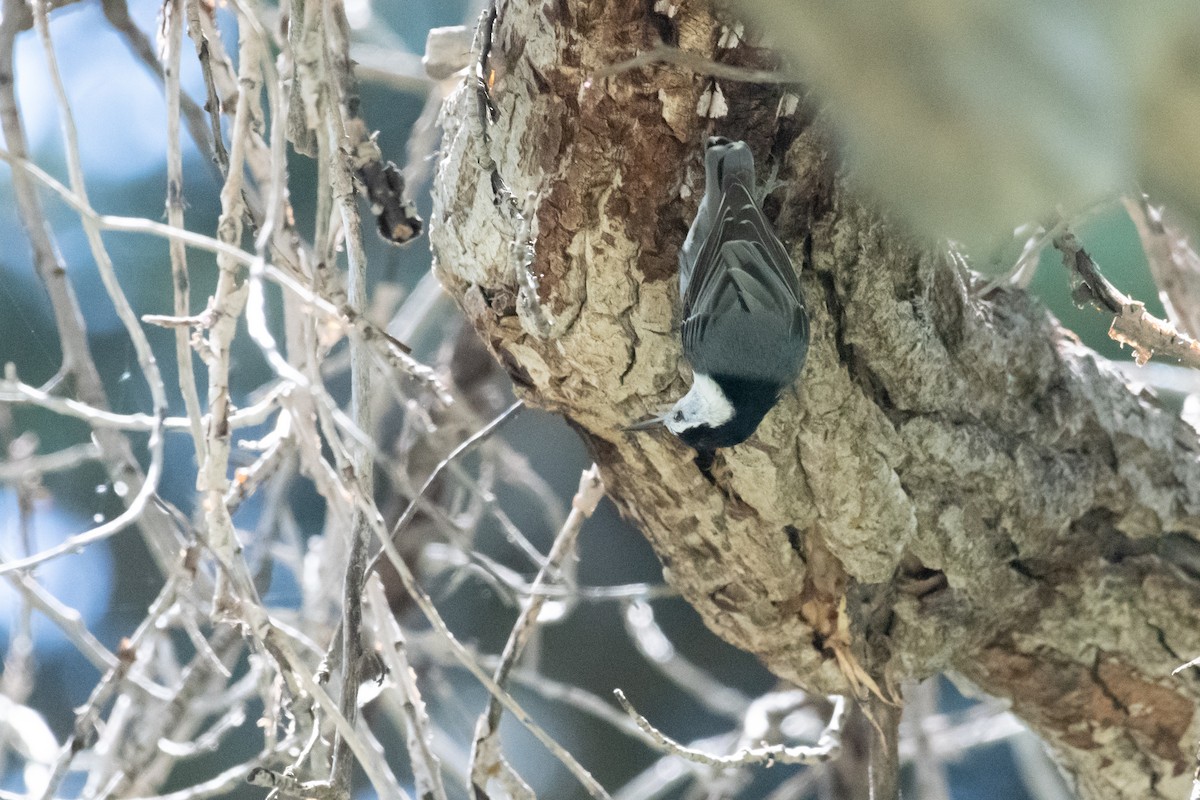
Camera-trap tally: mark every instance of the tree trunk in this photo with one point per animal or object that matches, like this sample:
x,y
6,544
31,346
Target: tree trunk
x,y
954,483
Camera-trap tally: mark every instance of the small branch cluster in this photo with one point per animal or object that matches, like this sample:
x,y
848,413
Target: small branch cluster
x,y
1132,324
307,663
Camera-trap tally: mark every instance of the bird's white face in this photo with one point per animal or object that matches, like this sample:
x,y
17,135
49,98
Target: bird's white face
x,y
704,404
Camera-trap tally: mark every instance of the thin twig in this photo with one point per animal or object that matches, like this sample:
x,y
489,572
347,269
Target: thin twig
x,y
390,352
224,783
392,648
14,391
87,716
203,45
72,544
656,647
511,586
480,436
827,746
665,54
418,501
336,151
59,461
104,264
178,252
69,622
486,760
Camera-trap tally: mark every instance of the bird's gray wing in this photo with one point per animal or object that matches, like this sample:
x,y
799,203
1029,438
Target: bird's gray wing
x,y
742,311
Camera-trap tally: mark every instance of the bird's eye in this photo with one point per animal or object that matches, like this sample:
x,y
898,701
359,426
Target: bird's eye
x,y
678,416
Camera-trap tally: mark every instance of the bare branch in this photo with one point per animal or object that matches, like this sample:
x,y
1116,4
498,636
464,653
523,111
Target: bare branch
x,y
179,269
66,459
486,760
664,54
1173,263
827,746
392,648
656,647
1132,324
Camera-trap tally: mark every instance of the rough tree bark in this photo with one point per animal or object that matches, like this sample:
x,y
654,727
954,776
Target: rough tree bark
x,y
954,484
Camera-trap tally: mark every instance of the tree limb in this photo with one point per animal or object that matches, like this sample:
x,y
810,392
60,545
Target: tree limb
x,y
955,482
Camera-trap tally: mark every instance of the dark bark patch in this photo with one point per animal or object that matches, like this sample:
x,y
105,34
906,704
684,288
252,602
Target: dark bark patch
x,y
1023,569
948,297
601,450
1156,714
859,370
1079,706
558,13
923,582
793,537
520,376
664,26
731,597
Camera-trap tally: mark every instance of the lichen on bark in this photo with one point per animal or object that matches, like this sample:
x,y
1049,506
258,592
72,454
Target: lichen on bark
x,y
955,483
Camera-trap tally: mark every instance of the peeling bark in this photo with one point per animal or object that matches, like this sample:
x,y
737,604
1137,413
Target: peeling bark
x,y
955,483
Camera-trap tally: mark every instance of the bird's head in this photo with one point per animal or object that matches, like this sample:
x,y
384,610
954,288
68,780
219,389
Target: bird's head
x,y
710,417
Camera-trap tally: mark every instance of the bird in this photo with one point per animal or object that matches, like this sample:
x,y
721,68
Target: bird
x,y
744,324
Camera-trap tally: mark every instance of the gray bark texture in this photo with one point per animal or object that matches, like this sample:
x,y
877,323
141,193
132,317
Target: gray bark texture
x,y
955,483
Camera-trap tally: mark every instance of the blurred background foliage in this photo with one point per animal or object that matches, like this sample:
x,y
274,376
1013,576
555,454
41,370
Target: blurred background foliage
x,y
970,118
123,144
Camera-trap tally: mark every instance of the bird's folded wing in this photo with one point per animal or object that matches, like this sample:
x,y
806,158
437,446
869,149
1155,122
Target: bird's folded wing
x,y
743,289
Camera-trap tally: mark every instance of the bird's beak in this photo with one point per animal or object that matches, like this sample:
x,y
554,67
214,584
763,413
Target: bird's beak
x,y
647,424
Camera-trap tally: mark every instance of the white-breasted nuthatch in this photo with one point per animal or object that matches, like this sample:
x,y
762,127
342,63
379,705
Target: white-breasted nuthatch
x,y
745,327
